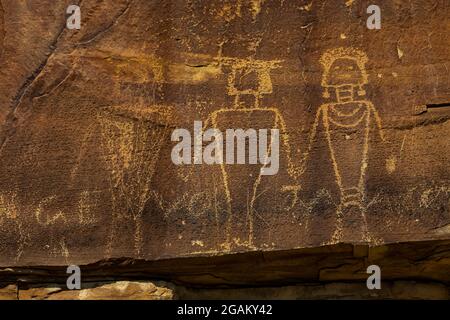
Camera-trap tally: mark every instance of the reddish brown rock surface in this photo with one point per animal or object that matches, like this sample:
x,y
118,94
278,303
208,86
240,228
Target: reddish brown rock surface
x,y
86,118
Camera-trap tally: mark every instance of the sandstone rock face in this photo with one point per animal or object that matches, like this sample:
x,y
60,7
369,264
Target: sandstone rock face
x,y
8,292
121,290
125,290
86,119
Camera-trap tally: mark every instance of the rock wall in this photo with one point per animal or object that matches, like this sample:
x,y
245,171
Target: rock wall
x,y
86,174
124,290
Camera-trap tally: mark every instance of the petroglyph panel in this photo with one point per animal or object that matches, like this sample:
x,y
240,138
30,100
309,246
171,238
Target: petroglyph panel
x,y
86,119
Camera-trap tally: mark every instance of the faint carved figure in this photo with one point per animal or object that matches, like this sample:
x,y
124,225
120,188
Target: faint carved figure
x,y
347,122
132,137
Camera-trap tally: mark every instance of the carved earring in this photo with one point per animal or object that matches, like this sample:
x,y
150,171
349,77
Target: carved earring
x,y
361,91
326,94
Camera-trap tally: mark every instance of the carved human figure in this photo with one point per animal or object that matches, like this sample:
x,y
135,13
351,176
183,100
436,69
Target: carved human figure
x,y
347,121
248,81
